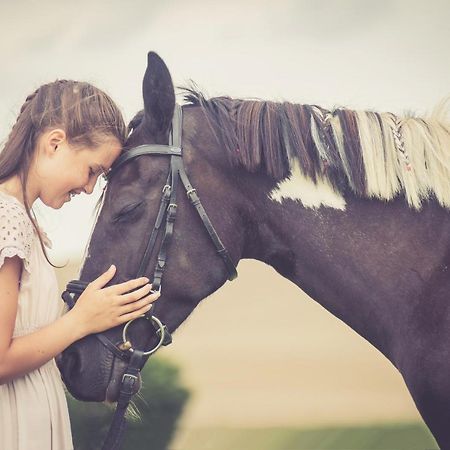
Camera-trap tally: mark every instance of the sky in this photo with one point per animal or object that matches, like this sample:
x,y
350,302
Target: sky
x,y
388,55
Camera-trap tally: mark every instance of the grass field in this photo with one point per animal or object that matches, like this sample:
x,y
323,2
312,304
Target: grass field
x,y
391,437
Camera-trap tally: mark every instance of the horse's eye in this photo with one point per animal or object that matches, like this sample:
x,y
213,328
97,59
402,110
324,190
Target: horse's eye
x,y
127,212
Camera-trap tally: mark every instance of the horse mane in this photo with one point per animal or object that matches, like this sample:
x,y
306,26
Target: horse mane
x,y
375,155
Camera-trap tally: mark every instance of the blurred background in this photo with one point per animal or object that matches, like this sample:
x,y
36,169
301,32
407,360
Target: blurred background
x,y
263,363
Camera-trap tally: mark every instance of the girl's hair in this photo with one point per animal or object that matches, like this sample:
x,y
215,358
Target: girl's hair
x,y
87,115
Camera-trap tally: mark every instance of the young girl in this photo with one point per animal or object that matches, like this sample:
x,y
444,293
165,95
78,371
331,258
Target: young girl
x,y
66,135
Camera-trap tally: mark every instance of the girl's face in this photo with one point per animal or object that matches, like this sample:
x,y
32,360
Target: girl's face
x,y
64,169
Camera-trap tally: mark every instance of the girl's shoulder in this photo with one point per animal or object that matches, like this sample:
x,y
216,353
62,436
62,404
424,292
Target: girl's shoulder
x,y
16,229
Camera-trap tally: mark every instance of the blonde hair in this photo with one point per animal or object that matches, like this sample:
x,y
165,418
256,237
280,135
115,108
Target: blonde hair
x,y
87,114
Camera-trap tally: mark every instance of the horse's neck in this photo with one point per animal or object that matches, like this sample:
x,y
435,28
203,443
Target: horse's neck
x,y
367,264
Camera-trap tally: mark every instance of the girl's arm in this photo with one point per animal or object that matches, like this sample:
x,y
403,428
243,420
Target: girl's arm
x,y
96,310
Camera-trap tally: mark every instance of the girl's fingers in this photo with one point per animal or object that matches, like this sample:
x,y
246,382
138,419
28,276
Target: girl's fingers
x,y
137,305
127,286
103,279
134,315
138,294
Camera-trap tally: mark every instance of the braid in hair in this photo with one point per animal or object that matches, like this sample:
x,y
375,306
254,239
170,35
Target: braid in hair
x,y
28,100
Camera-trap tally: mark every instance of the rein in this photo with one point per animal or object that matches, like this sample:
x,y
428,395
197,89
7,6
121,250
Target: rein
x,y
167,210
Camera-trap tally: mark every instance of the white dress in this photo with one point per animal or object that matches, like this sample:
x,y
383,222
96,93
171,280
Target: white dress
x,y
33,408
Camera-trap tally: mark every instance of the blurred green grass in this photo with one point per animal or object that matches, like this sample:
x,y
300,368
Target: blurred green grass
x,y
379,437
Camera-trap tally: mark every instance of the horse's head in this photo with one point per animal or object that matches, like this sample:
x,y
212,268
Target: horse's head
x,y
131,203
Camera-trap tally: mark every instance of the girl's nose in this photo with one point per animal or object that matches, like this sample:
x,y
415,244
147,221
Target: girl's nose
x,y
89,188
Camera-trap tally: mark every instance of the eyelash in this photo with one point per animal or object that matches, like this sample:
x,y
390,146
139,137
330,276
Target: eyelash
x,y
126,212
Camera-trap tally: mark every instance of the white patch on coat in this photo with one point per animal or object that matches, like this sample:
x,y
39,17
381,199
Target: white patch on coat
x,y
311,195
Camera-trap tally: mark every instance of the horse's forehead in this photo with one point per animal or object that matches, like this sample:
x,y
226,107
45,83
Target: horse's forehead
x,y
137,173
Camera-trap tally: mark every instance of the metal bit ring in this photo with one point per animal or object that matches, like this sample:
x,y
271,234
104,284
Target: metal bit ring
x,y
156,321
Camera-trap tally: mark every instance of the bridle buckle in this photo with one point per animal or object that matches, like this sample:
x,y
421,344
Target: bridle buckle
x,y
129,375
190,192
171,212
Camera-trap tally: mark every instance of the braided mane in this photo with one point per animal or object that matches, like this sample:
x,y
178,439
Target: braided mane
x,y
372,154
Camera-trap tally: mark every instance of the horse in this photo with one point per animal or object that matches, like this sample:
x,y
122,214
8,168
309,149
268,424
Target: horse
x,y
351,206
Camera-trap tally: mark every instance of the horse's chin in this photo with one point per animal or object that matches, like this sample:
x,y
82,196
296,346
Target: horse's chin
x,y
113,388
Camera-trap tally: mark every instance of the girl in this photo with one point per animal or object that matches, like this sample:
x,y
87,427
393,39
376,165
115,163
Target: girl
x,y
66,135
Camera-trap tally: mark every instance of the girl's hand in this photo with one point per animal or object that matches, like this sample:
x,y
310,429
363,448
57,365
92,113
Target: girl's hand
x,y
99,309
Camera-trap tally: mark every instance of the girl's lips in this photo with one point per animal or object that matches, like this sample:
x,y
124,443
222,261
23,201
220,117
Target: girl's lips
x,y
71,194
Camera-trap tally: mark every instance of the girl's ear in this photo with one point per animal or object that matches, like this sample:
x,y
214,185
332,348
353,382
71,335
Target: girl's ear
x,y
52,139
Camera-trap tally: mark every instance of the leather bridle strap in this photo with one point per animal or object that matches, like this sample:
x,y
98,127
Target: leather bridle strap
x,y
171,214
168,200
195,200
159,218
169,205
146,149
128,388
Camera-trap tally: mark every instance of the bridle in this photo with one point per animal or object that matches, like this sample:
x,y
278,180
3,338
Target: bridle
x,y
166,213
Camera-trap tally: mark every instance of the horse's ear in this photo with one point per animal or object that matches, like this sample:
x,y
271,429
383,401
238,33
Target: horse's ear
x,y
159,95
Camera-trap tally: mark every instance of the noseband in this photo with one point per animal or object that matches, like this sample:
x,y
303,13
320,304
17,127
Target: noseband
x,y
167,212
